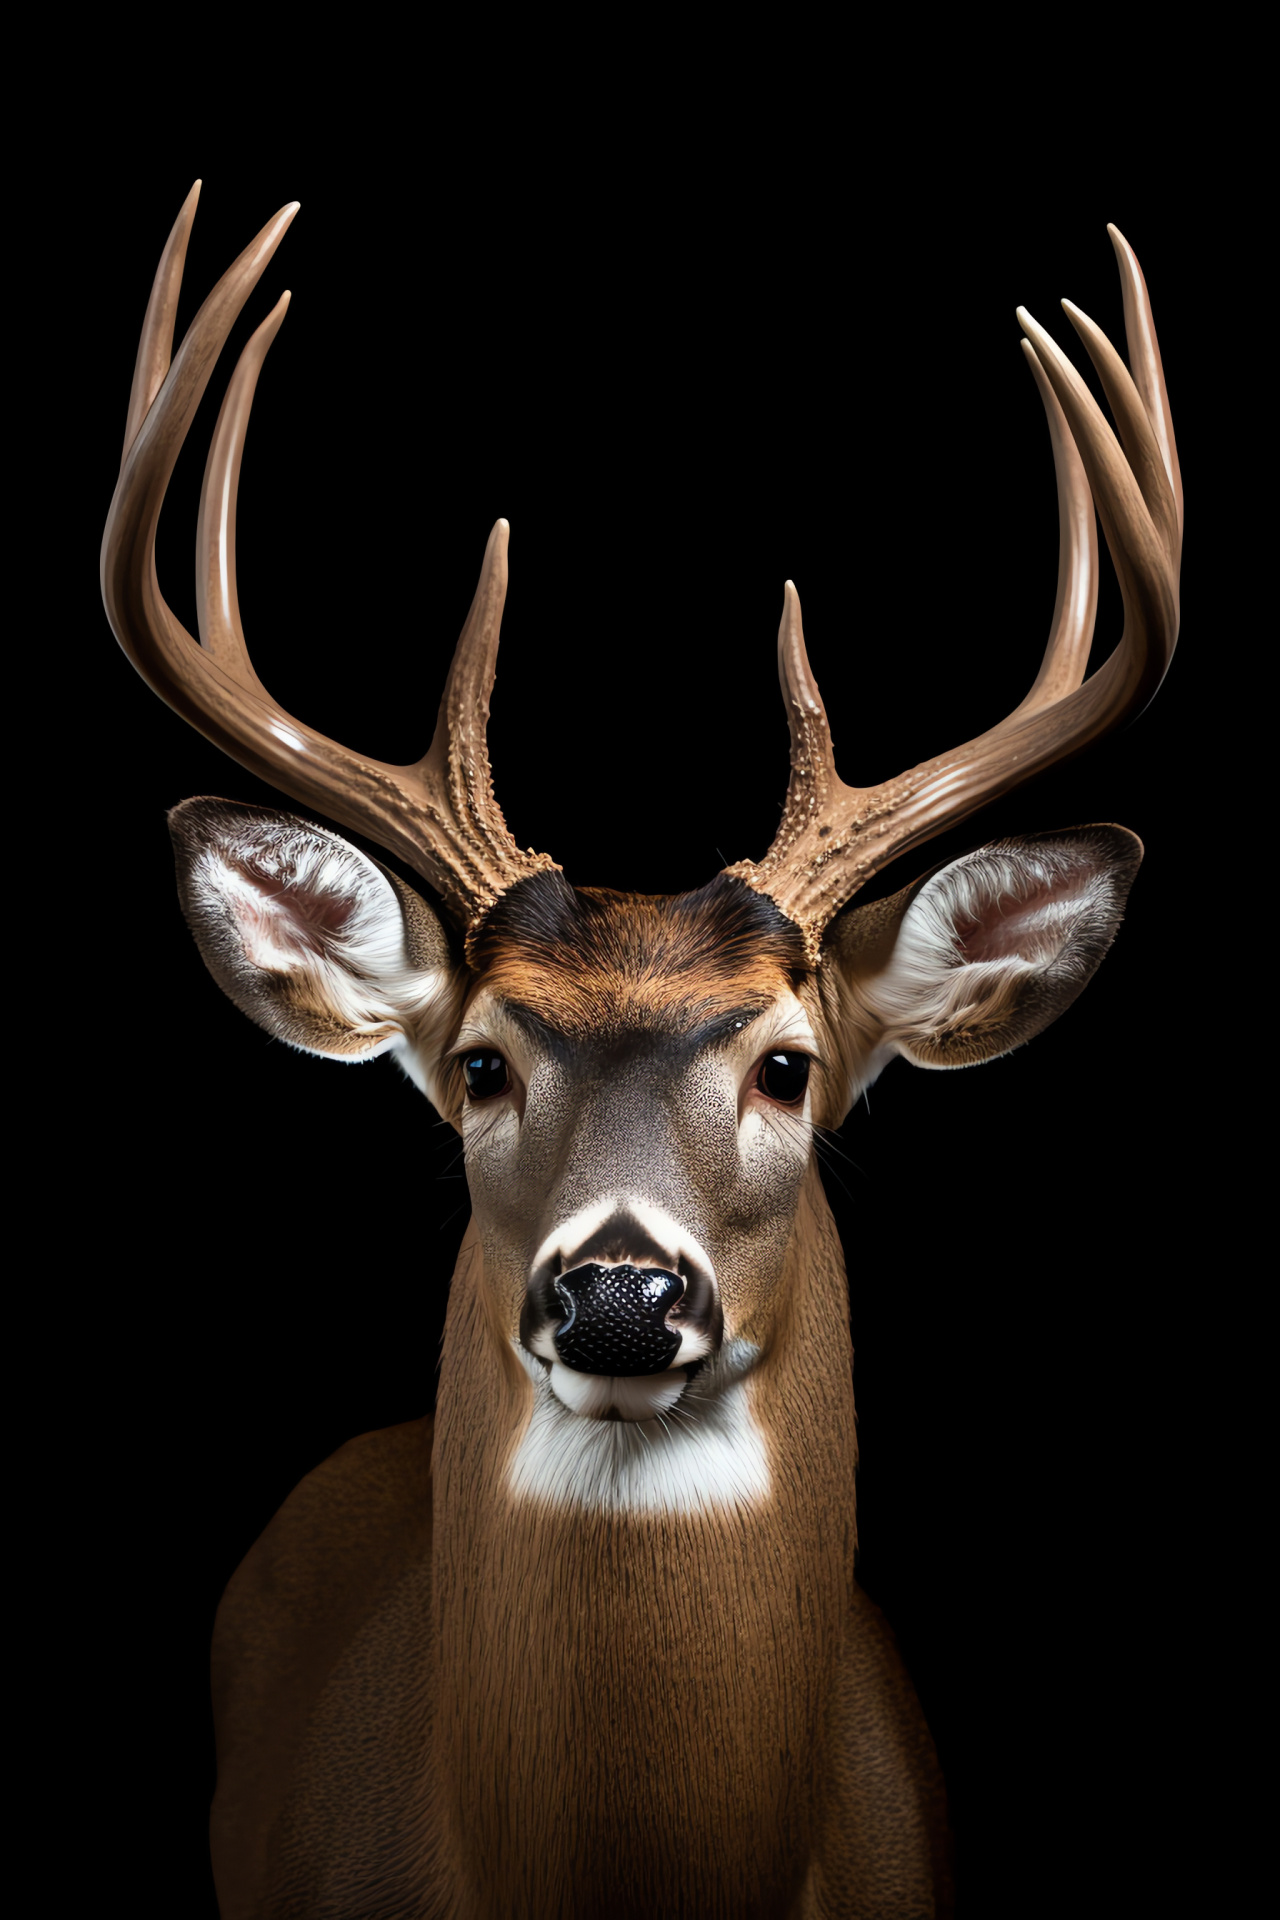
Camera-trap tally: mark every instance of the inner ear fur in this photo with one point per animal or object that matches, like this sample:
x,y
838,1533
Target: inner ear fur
x,y
318,944
979,955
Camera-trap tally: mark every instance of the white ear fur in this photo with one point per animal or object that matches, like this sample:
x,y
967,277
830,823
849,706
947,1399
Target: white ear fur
x,y
311,938
984,953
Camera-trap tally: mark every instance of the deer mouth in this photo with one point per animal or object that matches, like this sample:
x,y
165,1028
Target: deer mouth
x,y
618,1396
693,1396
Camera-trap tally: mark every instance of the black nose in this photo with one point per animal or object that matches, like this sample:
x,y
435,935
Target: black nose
x,y
617,1319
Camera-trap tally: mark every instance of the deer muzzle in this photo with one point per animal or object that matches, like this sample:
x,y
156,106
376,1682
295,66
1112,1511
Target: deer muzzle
x,y
618,1294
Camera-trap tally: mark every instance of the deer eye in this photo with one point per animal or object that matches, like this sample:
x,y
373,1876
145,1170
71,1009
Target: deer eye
x,y
485,1075
784,1077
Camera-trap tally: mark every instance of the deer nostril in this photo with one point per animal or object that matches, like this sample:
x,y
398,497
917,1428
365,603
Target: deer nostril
x,y
615,1319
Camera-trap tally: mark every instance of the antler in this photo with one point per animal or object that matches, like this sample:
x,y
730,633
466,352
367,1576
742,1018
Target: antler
x,y
440,814
833,837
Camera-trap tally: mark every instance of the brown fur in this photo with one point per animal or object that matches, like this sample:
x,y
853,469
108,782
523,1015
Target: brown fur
x,y
437,1696
633,1704
533,1712
594,965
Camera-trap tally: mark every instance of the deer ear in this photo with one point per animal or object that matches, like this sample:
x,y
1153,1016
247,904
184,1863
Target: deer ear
x,y
317,943
982,954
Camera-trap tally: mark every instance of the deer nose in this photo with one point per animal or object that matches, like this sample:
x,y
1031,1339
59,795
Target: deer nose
x,y
616,1319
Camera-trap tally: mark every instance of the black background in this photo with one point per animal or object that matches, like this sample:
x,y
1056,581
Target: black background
x,y
682,382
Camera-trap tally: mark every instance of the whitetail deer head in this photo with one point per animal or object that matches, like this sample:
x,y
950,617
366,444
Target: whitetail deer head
x,y
635,1079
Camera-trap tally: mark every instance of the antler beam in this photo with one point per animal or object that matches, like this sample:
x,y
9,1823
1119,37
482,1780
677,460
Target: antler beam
x,y
833,837
440,814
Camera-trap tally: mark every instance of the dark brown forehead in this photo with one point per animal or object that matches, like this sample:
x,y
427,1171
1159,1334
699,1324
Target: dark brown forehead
x,y
591,963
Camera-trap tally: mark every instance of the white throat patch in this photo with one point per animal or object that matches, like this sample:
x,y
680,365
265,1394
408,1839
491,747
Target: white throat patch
x,y
706,1451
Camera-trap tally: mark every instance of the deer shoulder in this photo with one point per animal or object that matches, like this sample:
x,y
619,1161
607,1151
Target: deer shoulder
x,y
344,1566
883,1842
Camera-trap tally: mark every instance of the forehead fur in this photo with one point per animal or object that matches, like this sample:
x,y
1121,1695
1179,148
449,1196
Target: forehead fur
x,y
590,962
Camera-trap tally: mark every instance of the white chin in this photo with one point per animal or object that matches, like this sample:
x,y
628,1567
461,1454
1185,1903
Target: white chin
x,y
638,1397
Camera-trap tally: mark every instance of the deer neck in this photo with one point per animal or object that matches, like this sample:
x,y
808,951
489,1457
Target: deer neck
x,y
629,1696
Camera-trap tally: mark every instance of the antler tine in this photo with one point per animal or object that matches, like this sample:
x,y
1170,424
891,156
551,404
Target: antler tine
x,y
446,826
156,343
814,782
1137,434
454,776
1075,610
217,595
1145,364
834,837
455,766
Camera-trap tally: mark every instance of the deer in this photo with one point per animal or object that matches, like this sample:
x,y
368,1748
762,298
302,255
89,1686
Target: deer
x,y
589,1640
